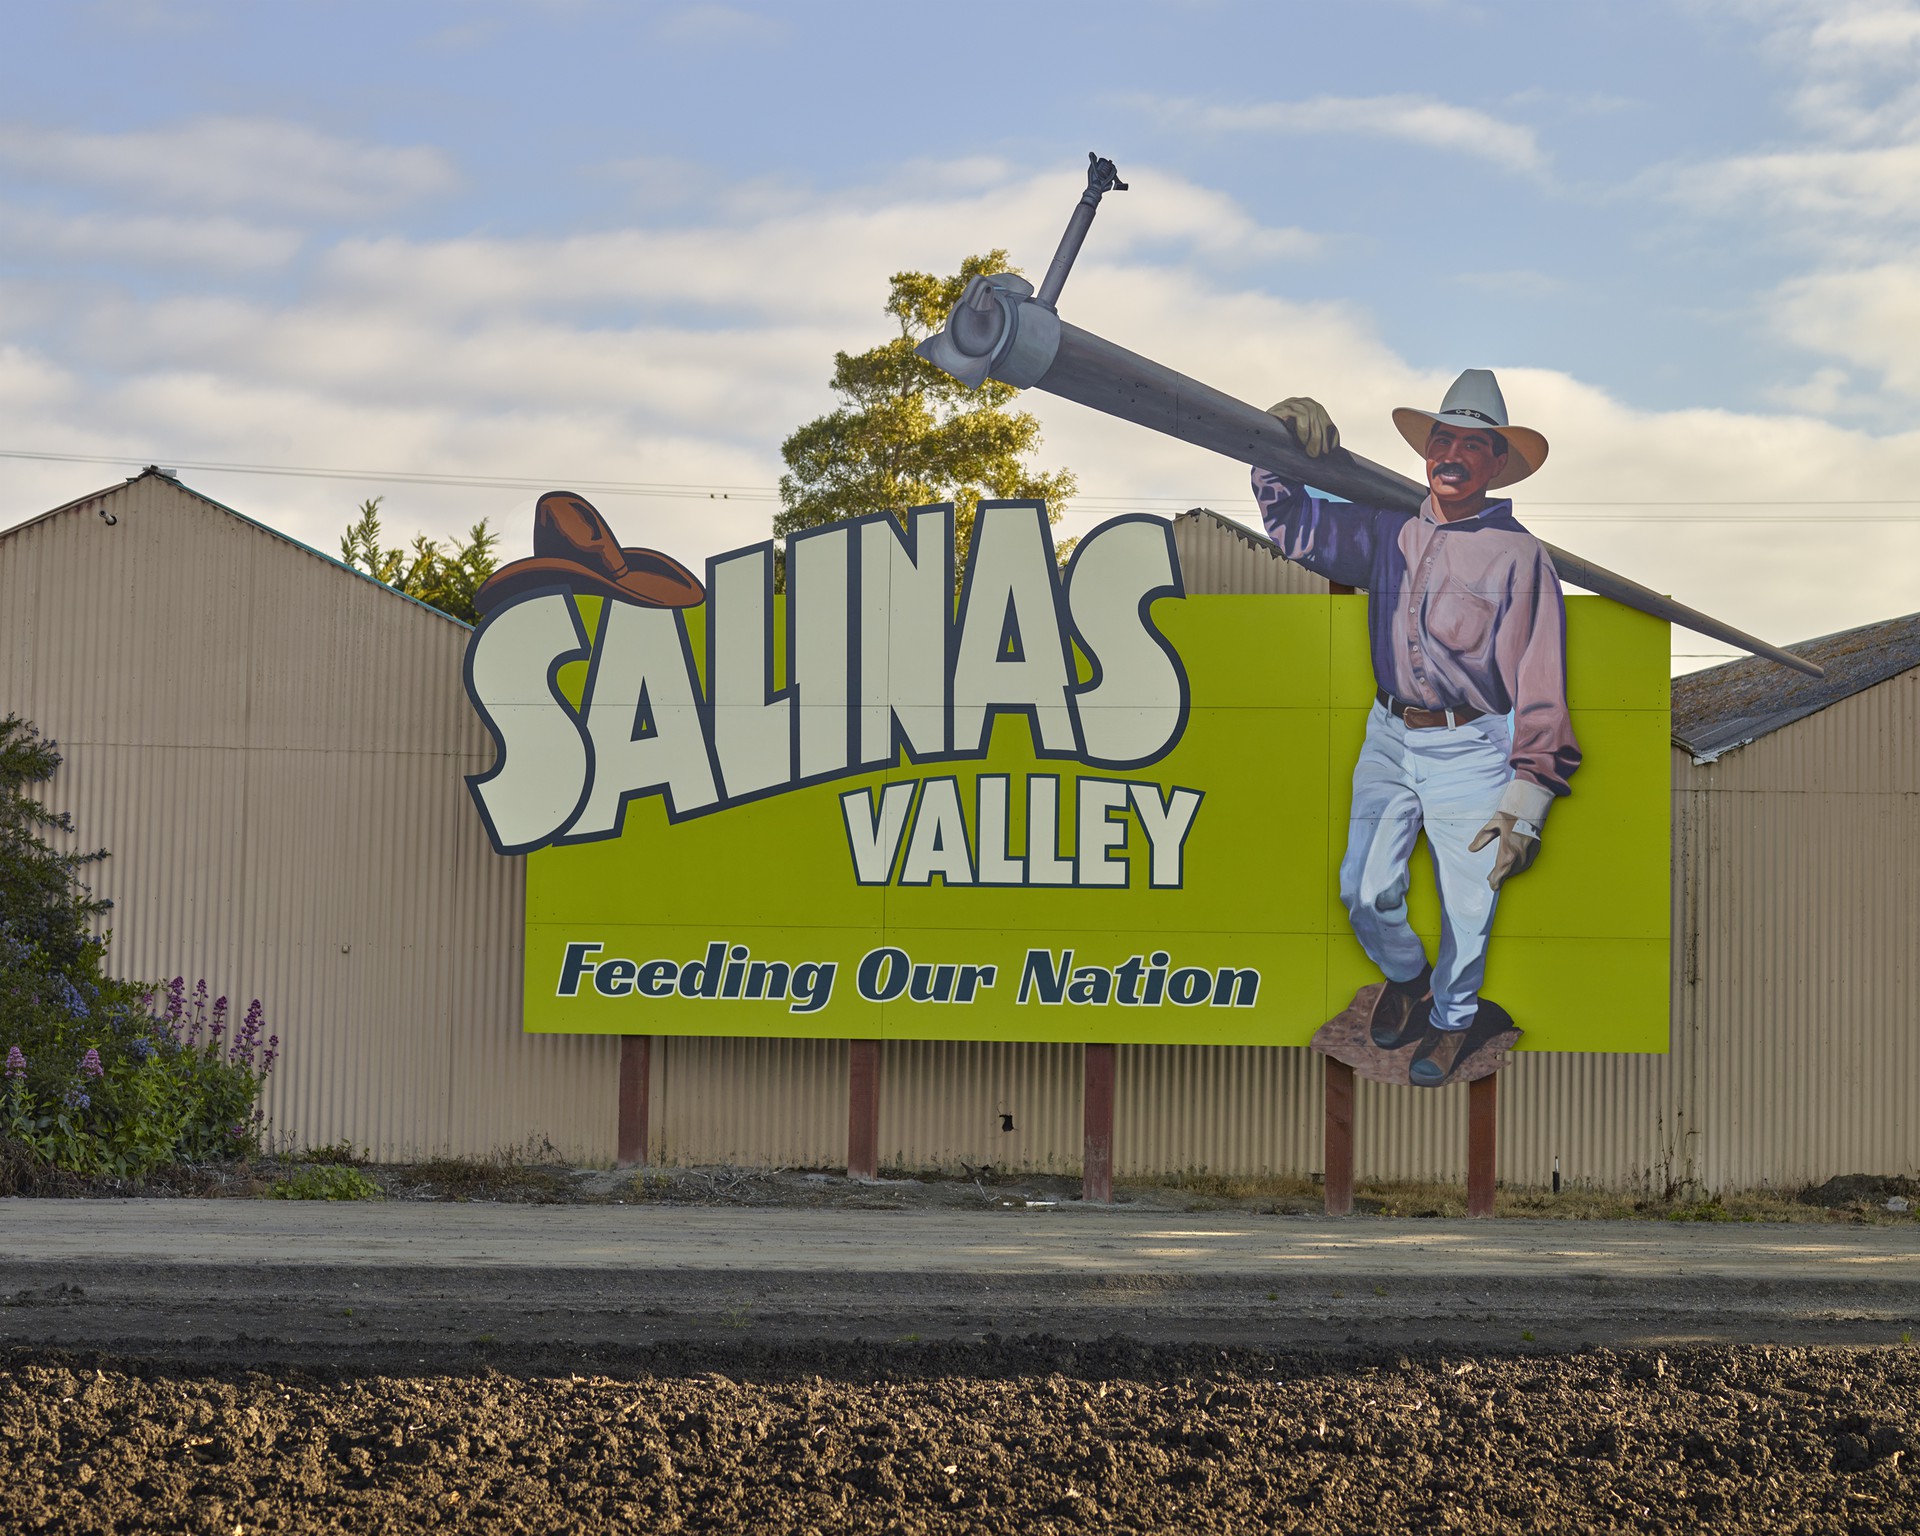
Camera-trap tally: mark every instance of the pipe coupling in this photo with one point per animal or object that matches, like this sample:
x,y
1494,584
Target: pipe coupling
x,y
996,331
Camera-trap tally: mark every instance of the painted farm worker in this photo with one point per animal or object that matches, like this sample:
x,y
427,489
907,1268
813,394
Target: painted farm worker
x,y
1468,738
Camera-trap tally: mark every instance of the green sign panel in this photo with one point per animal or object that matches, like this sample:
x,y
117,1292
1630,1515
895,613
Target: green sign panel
x,y
1063,806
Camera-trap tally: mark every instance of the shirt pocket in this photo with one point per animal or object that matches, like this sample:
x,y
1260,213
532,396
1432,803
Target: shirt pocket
x,y
1461,623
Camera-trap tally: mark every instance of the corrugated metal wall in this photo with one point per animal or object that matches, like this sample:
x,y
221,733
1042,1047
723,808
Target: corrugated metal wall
x,y
1801,959
273,748
1218,556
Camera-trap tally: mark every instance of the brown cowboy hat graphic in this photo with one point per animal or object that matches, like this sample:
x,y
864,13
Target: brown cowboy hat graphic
x,y
574,548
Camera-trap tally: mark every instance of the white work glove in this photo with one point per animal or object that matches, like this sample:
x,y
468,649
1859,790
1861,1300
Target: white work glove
x,y
1519,845
1310,423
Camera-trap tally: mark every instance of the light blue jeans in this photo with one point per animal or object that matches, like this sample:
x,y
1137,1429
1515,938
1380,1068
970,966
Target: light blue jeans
x,y
1447,781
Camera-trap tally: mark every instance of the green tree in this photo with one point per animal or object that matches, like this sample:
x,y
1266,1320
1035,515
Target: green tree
x,y
43,904
446,579
90,1080
908,434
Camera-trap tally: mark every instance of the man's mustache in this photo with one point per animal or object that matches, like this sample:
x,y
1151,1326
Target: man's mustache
x,y
1450,467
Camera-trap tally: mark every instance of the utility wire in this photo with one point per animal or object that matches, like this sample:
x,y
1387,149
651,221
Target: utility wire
x,y
1082,505
412,477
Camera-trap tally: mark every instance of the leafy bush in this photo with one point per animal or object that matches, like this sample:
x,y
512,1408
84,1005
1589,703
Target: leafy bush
x,y
446,579
341,1151
95,1082
326,1181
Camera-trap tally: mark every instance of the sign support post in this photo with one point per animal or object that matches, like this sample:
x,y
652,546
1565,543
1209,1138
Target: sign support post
x,y
1481,1099
1337,1179
636,1071
863,1109
1096,1175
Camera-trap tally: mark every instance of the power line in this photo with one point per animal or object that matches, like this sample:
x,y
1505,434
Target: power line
x,y
415,477
1083,505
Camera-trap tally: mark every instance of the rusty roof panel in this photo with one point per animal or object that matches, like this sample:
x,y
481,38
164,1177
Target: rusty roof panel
x,y
1726,707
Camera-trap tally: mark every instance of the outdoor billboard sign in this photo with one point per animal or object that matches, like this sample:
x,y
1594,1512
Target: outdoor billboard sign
x,y
915,796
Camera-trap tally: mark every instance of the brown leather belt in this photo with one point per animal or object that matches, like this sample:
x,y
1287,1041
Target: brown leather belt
x,y
1420,719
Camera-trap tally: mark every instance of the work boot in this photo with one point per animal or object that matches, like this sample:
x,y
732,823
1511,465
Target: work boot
x,y
1401,1012
1440,1053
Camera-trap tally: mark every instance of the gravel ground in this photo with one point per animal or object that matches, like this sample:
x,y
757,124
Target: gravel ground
x,y
1025,1436
230,1366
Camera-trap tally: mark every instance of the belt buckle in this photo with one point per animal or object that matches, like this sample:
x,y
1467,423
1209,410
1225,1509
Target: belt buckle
x,y
1449,715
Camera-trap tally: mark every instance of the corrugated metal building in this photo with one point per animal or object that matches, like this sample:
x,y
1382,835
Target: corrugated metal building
x,y
273,747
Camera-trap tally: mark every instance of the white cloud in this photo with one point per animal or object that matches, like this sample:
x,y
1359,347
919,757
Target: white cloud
x,y
29,381
248,164
1870,317
1422,120
1832,197
1846,197
1852,73
1857,59
152,240
684,355
1826,392
821,258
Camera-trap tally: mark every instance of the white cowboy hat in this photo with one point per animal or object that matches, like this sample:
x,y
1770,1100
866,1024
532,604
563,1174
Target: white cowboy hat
x,y
1475,404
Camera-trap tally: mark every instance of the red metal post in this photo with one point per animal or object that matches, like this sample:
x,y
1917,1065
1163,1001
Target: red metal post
x,y
1338,1177
1096,1169
1480,1137
863,1109
636,1067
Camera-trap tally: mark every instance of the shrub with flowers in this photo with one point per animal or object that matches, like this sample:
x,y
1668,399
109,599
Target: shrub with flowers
x,y
104,1076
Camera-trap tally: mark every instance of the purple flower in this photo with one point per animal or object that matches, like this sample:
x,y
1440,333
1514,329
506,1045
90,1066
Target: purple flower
x,y
142,1048
219,1025
197,1014
16,1064
273,1054
90,1064
176,999
246,1039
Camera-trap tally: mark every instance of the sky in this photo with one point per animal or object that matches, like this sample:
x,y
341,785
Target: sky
x,y
531,243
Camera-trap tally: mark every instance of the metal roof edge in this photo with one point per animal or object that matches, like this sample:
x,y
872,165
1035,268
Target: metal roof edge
x,y
1751,724
155,472
1247,535
67,506
1714,754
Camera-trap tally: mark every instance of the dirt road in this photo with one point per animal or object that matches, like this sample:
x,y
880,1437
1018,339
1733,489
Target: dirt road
x,y
235,1367
249,1280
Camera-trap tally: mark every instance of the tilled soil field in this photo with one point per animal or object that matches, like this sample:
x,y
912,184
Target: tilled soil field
x,y
1024,1436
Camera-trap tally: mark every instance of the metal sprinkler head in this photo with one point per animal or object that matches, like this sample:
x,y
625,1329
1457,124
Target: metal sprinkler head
x,y
1102,178
994,331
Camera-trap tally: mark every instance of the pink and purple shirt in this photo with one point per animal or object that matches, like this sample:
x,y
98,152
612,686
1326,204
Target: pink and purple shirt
x,y
1466,613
